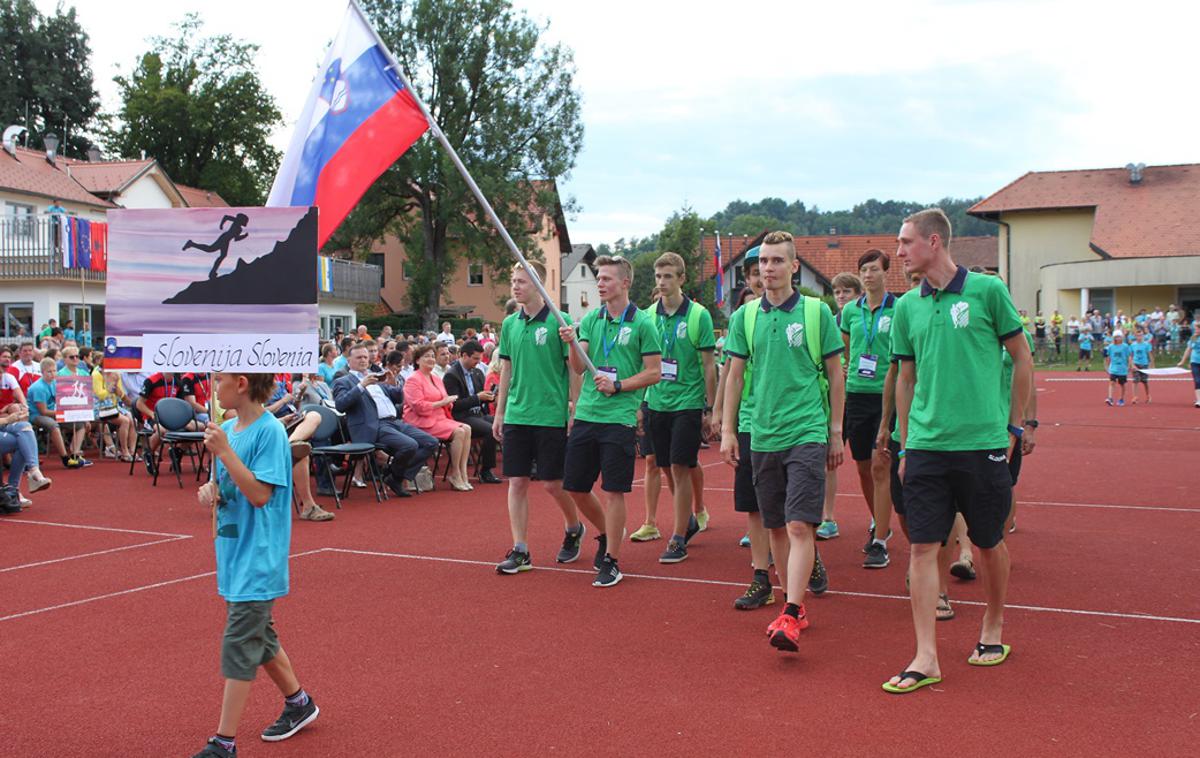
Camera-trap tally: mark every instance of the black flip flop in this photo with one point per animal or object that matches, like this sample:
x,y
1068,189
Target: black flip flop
x,y
982,649
920,679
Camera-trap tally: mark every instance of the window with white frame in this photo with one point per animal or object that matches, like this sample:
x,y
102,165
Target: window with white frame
x,y
475,275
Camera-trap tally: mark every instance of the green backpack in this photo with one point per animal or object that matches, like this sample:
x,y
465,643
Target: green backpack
x,y
693,320
812,315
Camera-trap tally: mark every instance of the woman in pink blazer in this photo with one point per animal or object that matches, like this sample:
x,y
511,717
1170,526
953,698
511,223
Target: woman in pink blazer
x,y
427,407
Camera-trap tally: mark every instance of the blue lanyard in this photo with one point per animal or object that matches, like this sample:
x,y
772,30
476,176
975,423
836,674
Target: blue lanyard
x,y
605,345
871,333
669,339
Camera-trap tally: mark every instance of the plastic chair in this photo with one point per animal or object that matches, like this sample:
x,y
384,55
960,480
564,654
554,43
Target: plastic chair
x,y
332,425
174,416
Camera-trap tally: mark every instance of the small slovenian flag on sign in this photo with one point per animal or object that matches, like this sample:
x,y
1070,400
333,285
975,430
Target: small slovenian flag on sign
x,y
122,357
325,273
358,120
720,275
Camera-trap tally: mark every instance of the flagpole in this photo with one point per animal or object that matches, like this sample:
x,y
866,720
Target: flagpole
x,y
478,193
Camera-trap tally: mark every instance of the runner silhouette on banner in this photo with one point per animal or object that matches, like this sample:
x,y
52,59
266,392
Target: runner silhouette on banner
x,y
221,244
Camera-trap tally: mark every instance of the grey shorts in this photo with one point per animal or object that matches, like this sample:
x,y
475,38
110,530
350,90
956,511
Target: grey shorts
x,y
249,640
790,485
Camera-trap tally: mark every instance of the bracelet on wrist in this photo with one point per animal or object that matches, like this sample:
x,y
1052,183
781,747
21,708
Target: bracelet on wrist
x,y
1015,431
901,453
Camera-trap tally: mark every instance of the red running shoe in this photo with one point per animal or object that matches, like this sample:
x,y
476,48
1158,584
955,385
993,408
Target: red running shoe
x,y
784,632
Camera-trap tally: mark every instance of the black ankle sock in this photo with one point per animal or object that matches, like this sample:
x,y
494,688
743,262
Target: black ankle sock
x,y
760,575
791,609
226,742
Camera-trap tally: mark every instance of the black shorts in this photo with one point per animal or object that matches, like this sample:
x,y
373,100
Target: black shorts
x,y
1085,354
644,446
1014,463
675,436
975,483
525,444
790,484
1118,378
864,412
744,498
1138,376
600,449
897,485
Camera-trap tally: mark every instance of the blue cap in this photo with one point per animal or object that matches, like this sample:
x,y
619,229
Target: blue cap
x,y
751,255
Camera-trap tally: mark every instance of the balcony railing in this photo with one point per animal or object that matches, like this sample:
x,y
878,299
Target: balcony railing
x,y
356,282
29,250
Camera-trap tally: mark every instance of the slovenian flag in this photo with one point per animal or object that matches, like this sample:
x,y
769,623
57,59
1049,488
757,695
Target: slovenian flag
x,y
358,119
720,275
324,273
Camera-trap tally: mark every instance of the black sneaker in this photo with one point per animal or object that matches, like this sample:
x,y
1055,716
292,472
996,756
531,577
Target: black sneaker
x,y
758,595
818,580
293,719
572,545
514,563
692,530
601,551
866,548
609,573
214,749
877,556
676,552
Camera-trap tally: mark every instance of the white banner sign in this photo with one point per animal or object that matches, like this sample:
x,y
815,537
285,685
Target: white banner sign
x,y
255,354
1173,371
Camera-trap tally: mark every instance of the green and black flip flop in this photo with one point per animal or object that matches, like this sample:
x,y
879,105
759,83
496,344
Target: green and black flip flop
x,y
982,649
921,679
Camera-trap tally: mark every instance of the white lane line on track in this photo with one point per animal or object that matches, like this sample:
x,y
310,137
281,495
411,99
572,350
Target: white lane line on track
x,y
20,521
129,591
1102,379
637,482
688,580
91,555
1050,503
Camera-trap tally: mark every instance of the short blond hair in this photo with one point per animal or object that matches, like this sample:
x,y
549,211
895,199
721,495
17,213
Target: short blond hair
x,y
781,238
672,259
618,261
537,266
932,221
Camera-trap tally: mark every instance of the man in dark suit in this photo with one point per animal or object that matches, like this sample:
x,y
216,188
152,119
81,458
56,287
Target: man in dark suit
x,y
463,378
370,403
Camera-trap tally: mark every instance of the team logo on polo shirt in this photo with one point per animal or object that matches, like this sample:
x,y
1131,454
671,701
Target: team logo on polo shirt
x,y
795,334
681,330
539,337
623,337
960,314
885,324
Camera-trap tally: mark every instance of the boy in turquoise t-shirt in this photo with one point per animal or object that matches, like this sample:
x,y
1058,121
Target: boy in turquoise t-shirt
x,y
1116,363
251,497
1142,353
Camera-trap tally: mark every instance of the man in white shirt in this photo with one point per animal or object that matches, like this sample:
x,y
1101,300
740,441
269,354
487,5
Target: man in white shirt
x,y
447,336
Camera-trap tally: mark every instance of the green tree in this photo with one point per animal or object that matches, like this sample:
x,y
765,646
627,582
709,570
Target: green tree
x,y
196,105
507,101
681,234
47,85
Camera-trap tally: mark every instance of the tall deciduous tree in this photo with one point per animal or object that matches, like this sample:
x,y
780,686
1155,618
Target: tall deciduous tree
x,y
47,84
197,106
507,101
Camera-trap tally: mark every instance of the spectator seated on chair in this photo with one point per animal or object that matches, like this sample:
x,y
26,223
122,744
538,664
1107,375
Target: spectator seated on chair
x,y
465,381
195,390
110,395
14,420
427,407
301,426
370,402
154,388
27,369
40,400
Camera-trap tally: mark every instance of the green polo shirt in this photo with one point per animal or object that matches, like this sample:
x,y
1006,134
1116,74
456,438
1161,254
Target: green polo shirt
x,y
620,344
1006,377
785,376
539,379
954,337
687,392
870,333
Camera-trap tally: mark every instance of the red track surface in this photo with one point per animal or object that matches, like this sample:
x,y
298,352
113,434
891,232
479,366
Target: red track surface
x,y
426,651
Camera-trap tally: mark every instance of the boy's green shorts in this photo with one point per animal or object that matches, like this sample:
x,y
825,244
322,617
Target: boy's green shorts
x,y
249,640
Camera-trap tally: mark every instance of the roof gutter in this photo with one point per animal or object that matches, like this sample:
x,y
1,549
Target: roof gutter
x,y
1007,251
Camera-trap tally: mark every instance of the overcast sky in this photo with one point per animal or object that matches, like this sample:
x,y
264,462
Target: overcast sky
x,y
832,103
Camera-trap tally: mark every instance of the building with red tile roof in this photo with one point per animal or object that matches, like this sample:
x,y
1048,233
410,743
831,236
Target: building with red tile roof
x,y
1117,239
200,198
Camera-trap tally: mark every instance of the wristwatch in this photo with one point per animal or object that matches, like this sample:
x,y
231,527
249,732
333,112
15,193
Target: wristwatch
x,y
616,386
1032,423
